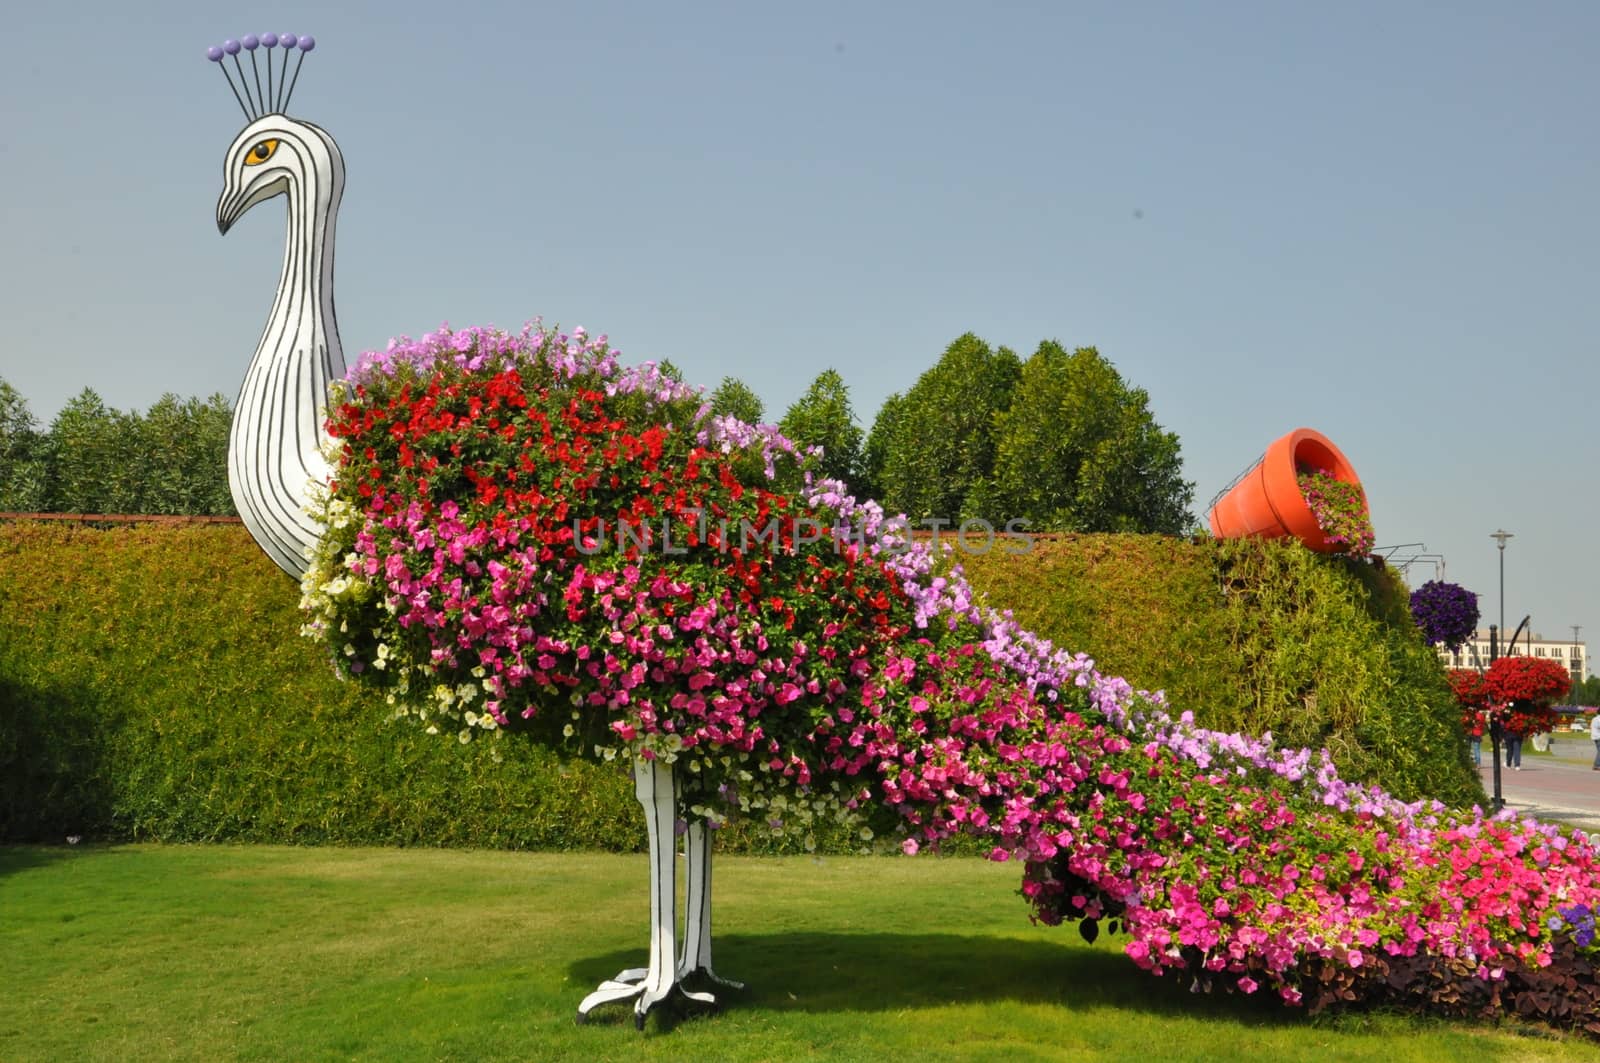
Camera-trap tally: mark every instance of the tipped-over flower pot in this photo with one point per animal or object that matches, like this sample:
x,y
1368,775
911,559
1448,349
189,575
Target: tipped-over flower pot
x,y
1267,500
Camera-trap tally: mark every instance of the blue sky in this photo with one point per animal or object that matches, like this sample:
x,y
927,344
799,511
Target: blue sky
x,y
1377,220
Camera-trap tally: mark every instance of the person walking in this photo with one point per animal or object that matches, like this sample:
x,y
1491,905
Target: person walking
x,y
1594,733
1514,750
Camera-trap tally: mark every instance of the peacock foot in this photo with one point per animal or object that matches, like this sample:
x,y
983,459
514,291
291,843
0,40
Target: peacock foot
x,y
635,984
708,975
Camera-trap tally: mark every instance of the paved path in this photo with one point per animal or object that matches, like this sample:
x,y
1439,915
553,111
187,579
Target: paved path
x,y
1556,787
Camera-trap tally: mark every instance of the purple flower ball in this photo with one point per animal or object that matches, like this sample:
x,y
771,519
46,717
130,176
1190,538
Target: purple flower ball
x,y
307,43
269,40
1446,613
251,41
214,54
230,46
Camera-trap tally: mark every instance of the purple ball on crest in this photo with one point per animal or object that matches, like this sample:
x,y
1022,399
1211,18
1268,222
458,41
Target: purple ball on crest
x,y
214,54
230,46
251,41
269,40
307,43
286,40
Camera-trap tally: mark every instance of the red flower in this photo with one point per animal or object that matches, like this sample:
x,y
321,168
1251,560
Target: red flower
x,y
1532,679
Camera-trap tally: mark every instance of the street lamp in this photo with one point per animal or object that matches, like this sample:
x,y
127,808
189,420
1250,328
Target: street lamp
x,y
1502,536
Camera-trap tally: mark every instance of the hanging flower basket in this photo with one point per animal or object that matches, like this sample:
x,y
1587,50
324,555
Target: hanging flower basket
x,y
1538,681
1268,499
1446,613
1526,686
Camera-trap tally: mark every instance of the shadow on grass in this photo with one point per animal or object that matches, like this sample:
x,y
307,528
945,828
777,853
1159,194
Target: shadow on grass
x,y
26,857
834,972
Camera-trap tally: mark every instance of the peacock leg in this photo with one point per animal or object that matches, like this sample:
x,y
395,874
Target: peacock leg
x,y
696,956
655,787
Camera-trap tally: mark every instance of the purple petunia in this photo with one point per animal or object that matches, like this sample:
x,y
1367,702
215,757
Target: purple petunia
x,y
1447,613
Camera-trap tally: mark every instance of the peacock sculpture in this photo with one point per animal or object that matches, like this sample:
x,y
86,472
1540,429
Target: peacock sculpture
x,y
275,448
515,535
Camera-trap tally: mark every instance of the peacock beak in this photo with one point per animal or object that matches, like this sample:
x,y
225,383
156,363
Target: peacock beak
x,y
227,213
234,202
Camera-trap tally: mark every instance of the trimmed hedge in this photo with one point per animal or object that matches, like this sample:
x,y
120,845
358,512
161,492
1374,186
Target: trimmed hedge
x,y
1253,635
153,685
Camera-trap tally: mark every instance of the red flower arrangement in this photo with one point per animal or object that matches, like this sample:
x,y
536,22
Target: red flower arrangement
x,y
1517,691
1526,687
1468,687
1527,679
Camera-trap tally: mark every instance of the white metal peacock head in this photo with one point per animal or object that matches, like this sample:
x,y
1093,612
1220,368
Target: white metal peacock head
x,y
275,155
275,446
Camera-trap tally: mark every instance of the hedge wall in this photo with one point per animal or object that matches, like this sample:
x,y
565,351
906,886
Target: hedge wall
x,y
153,685
1253,635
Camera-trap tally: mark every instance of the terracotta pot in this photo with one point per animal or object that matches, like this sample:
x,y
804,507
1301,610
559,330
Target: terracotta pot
x,y
1266,500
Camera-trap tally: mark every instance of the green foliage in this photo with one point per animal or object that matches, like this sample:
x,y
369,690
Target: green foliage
x,y
1078,450
1586,692
875,451
1253,635
183,456
173,459
822,417
154,686
22,455
94,458
931,449
734,398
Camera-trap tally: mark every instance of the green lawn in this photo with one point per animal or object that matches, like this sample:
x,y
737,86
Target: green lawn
x,y
259,953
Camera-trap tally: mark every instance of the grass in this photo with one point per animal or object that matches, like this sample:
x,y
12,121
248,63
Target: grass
x,y
148,952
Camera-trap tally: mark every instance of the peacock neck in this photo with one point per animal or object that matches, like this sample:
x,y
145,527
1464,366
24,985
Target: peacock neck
x,y
302,314
276,445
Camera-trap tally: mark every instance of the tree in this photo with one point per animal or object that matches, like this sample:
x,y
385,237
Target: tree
x,y
734,398
22,455
213,423
935,446
822,417
183,453
94,458
1078,450
875,452
1587,691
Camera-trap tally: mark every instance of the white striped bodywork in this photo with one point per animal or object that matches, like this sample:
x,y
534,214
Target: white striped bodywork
x,y
275,446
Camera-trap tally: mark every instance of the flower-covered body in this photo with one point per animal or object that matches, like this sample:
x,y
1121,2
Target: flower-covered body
x,y
522,536
548,543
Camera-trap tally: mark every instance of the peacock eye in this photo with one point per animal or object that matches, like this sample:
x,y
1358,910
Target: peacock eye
x,y
261,152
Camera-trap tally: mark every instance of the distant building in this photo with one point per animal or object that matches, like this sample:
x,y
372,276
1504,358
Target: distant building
x,y
1474,653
